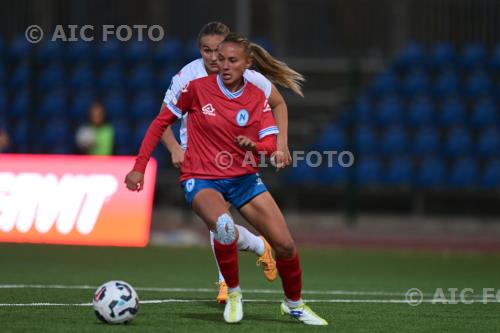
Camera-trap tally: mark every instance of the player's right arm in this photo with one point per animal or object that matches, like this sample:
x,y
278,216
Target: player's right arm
x,y
170,142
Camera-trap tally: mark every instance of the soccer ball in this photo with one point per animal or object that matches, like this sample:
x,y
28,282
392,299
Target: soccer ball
x,y
116,302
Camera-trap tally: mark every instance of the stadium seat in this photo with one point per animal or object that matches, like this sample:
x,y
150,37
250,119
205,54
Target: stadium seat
x,y
116,105
416,82
82,76
464,173
51,78
473,56
20,137
458,142
165,77
490,177
20,49
168,51
191,50
431,173
3,102
385,83
112,76
495,59
53,105
138,52
368,171
452,112
145,106
365,140
21,76
389,111
412,55
79,51
394,140
141,77
399,171
488,144
78,110
333,175
56,133
442,54
20,106
108,51
426,141
446,83
420,111
478,84
50,52
333,137
485,113
363,110
123,142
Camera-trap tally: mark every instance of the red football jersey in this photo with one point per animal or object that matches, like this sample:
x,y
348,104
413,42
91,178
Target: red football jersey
x,y
216,117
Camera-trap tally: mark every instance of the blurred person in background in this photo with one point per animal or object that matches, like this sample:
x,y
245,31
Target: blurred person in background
x,y
4,140
96,137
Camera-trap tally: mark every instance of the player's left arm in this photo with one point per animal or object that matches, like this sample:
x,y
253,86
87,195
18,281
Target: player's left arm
x,y
280,113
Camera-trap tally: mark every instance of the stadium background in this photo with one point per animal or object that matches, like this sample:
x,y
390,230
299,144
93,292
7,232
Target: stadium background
x,y
411,87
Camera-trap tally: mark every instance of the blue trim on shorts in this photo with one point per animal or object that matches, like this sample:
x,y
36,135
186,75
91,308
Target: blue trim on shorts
x,y
238,190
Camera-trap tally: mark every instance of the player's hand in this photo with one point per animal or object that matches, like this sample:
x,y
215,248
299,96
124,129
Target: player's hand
x,y
134,181
282,157
245,142
177,157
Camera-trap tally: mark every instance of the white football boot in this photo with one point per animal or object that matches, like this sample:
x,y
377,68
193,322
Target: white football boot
x,y
304,314
233,312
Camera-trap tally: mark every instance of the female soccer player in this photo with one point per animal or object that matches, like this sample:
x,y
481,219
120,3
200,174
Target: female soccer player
x,y
229,115
210,36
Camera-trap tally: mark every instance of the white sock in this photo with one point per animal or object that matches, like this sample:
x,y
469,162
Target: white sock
x,y
230,290
293,304
249,242
221,277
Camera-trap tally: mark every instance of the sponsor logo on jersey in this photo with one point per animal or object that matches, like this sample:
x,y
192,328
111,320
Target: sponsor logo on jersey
x,y
208,110
266,106
242,117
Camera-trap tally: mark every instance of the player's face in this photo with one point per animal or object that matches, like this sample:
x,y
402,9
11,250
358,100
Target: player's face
x,y
232,63
208,50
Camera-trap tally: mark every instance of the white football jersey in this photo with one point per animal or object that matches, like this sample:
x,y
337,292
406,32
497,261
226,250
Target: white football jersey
x,y
196,69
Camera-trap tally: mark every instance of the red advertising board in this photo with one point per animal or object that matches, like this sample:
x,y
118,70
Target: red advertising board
x,y
79,200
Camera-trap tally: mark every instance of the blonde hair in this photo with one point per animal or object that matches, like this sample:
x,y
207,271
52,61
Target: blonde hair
x,y
276,71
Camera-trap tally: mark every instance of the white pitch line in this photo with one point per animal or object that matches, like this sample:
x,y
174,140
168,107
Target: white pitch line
x,y
160,301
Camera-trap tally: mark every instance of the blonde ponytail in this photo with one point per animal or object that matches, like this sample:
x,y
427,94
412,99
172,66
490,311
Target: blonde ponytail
x,y
276,71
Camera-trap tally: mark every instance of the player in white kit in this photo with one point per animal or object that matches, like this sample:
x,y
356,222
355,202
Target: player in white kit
x,y
210,36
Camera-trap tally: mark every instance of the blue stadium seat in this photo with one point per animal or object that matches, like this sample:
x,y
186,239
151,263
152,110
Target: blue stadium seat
x,y
20,49
495,59
431,173
123,141
169,51
79,51
165,77
488,144
52,77
478,84
333,175
385,83
389,111
365,140
264,43
21,136
50,52
138,51
333,137
191,50
145,106
447,83
3,102
490,177
458,142
416,82
412,55
421,111
368,171
82,76
108,51
116,105
464,173
485,113
56,133
141,77
79,107
442,54
426,141
112,76
452,113
399,171
473,55
20,106
394,140
21,76
363,110
3,74
53,105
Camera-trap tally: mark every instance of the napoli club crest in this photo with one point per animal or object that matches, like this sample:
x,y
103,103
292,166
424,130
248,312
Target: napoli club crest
x,y
242,117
